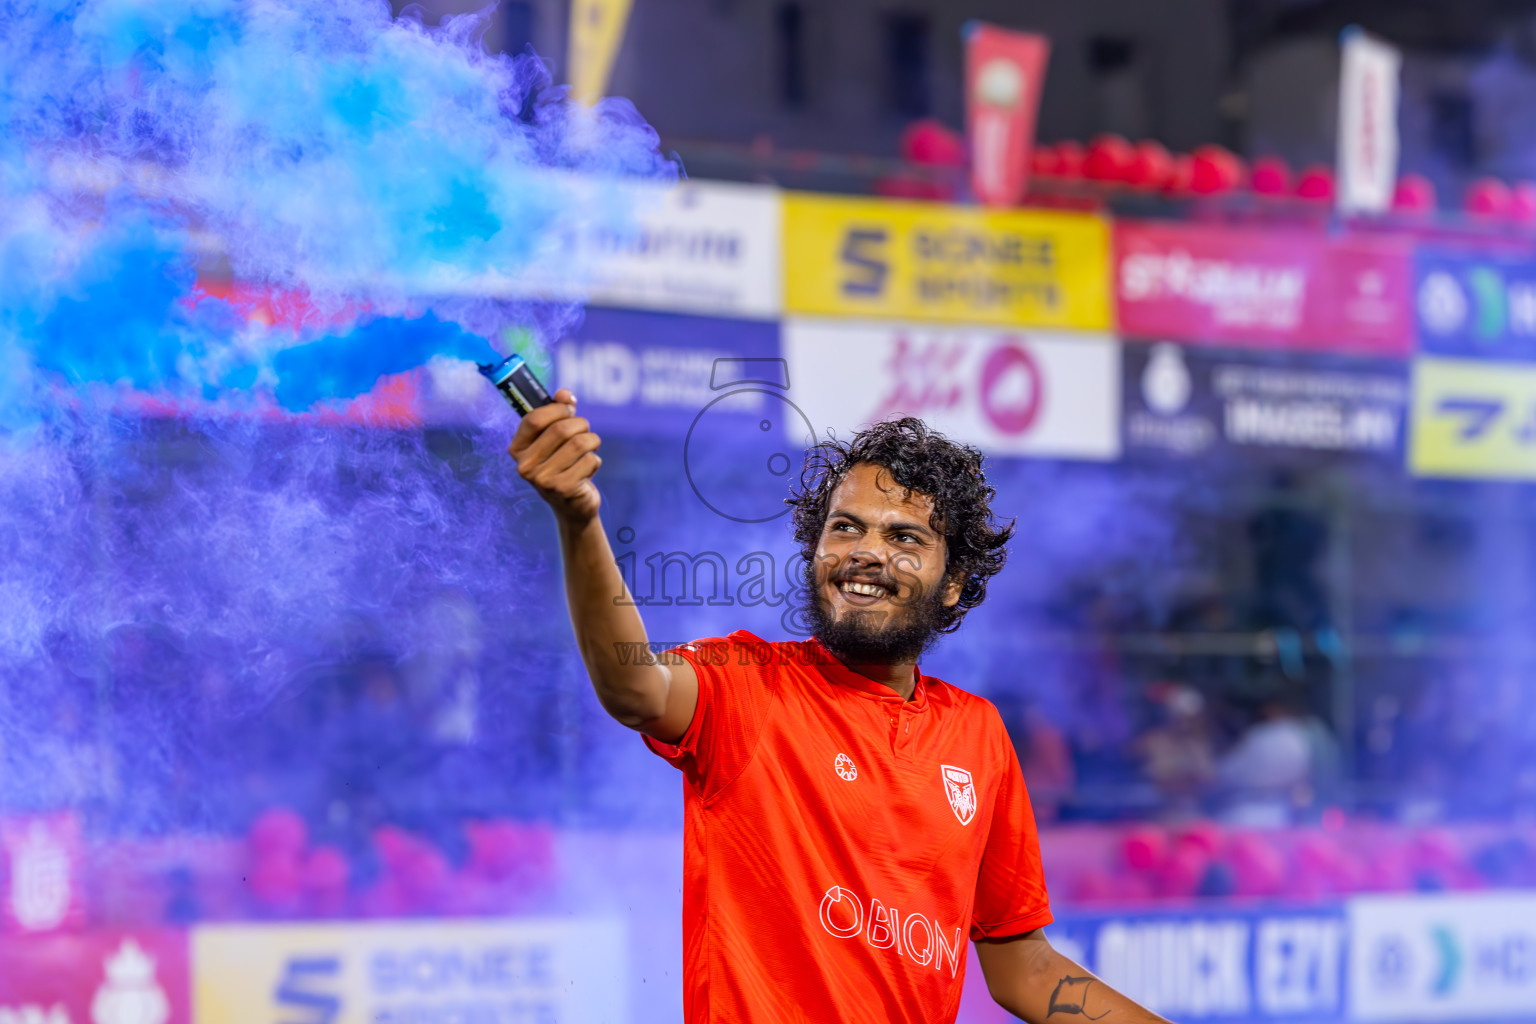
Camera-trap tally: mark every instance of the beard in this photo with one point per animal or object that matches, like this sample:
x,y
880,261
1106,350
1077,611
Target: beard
x,y
878,637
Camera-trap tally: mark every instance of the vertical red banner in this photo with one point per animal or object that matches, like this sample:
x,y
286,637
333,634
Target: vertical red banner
x,y
1004,73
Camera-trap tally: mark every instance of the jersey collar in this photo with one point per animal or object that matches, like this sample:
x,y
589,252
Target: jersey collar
x,y
836,672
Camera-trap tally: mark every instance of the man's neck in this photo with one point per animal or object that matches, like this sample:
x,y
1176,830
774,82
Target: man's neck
x,y
902,677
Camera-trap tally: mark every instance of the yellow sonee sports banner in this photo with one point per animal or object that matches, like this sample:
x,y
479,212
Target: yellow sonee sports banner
x,y
410,972
1473,419
931,261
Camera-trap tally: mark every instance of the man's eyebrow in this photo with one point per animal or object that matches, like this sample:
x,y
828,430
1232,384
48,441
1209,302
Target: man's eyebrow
x,y
838,513
909,528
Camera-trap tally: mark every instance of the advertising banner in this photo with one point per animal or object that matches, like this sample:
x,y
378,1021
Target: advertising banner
x,y
1475,306
95,977
1473,418
40,864
958,264
703,247
1010,393
1227,964
1443,957
1004,72
597,30
697,247
654,373
1368,144
1195,401
1265,288
547,971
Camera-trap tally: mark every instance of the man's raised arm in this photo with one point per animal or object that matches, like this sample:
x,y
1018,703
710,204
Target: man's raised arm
x,y
556,452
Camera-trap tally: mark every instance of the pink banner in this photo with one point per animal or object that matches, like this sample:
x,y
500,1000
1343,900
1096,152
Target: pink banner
x,y
109,977
1264,288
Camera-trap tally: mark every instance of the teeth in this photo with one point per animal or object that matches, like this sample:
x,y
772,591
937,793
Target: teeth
x,y
866,589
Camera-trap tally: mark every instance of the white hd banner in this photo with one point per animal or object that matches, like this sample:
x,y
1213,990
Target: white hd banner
x,y
1443,957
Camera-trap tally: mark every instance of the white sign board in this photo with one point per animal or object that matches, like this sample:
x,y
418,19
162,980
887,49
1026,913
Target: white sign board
x,y
1443,957
1368,142
699,247
1040,393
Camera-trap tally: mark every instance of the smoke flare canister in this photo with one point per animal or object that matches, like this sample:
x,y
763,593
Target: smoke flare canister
x,y
516,382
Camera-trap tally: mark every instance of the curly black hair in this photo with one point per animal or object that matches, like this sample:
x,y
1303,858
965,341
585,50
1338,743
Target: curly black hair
x,y
921,461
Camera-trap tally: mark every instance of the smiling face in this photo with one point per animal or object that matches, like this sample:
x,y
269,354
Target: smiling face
x,y
880,593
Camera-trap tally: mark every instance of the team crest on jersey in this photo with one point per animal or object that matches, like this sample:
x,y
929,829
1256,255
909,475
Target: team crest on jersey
x,y
846,769
961,792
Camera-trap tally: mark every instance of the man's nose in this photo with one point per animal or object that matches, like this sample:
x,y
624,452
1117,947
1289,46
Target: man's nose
x,y
871,555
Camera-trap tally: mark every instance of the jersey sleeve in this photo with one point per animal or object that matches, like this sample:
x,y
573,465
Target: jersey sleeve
x,y
736,693
1010,888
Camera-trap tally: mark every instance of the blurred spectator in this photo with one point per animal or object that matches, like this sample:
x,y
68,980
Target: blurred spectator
x,y
443,677
1269,771
1043,752
1099,724
376,756
1177,753
64,767
150,667
1287,543
1327,782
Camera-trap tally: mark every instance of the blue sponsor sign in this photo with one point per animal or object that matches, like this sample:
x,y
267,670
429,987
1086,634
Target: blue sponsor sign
x,y
655,373
1195,401
1278,963
1474,305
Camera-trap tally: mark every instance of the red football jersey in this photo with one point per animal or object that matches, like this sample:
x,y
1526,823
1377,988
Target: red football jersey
x,y
841,844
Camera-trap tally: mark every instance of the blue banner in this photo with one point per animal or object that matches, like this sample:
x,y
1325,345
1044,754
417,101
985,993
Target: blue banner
x,y
1473,305
1264,962
1199,402
656,373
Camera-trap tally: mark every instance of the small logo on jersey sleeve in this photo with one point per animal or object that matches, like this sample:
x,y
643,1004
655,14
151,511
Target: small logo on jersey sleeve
x,y
845,767
961,792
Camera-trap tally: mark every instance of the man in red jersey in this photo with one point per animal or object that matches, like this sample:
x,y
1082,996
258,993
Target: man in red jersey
x,y
850,822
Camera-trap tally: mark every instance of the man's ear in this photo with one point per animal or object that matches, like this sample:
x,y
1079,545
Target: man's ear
x,y
952,590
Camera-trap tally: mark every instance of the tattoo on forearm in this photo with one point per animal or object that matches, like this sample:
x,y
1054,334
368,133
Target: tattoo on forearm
x,y
1071,996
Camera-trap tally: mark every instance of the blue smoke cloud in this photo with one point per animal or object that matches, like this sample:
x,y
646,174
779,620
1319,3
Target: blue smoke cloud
x,y
368,163
216,216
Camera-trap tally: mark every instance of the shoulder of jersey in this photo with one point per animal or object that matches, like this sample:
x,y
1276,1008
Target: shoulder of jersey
x,y
963,701
740,636
942,689
793,650
718,646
